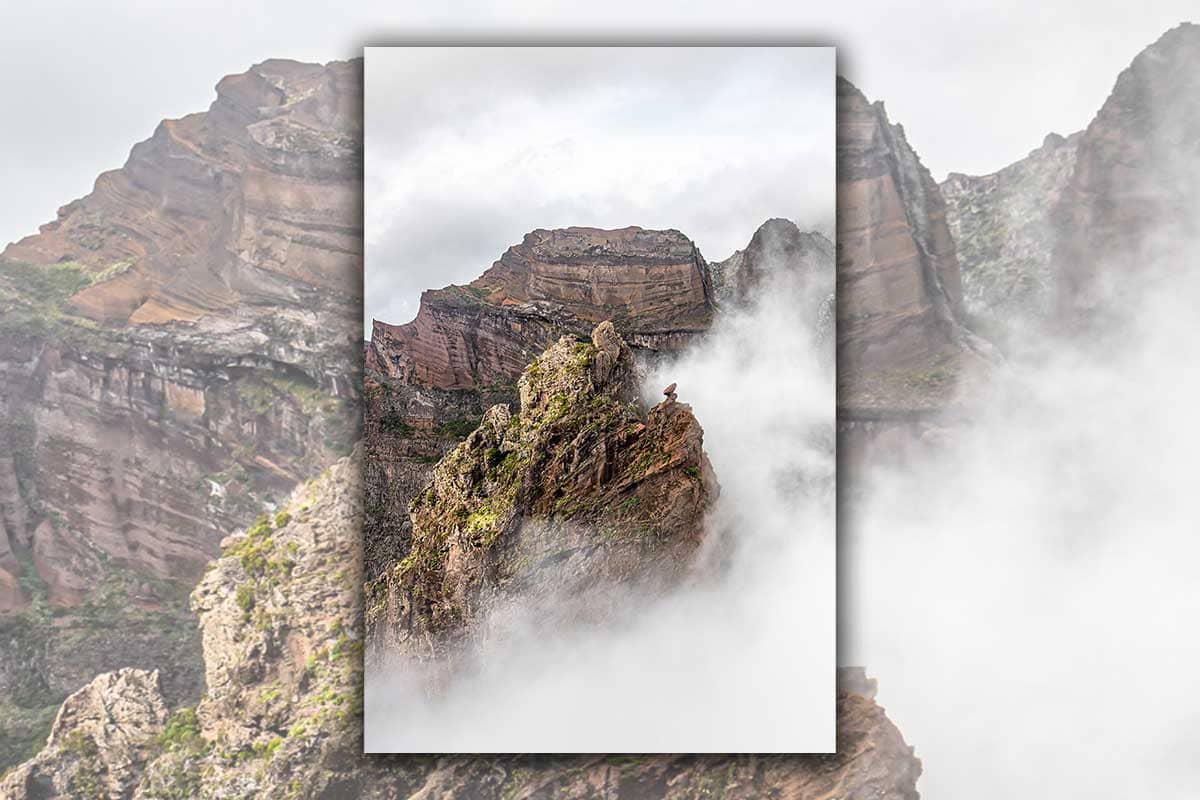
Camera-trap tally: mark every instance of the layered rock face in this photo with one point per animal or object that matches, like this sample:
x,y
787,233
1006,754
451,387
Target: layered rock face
x,y
282,715
251,203
901,333
1130,210
1001,226
652,284
579,490
177,350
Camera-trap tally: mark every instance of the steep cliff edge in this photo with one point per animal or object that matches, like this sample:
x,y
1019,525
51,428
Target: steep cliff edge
x,y
282,714
902,339
177,350
579,489
1129,213
1104,212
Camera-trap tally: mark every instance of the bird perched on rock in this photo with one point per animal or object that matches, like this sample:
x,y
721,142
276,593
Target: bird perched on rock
x,y
670,390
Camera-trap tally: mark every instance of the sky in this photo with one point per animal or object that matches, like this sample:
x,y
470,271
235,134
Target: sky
x,y
977,83
468,149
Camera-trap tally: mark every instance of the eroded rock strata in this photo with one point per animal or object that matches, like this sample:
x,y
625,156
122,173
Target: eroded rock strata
x,y
177,350
190,324
653,284
903,343
282,713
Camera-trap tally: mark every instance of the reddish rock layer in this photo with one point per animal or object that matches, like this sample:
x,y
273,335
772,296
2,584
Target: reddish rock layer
x,y
242,205
652,284
899,296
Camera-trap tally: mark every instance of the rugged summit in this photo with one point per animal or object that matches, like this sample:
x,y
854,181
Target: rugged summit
x,y
653,284
579,489
777,245
282,714
177,350
252,203
1001,225
1134,195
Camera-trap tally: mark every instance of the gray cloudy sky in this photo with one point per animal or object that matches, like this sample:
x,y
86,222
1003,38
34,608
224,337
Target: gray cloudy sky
x,y
469,148
977,83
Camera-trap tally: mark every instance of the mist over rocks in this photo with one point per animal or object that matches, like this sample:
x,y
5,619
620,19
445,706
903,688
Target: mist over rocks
x,y
1080,260
1133,196
238,328
1004,235
1087,218
282,714
579,490
778,244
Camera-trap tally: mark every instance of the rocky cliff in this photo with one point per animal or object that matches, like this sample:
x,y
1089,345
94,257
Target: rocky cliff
x,y
281,717
778,245
1003,232
579,489
653,284
1129,212
1102,211
428,382
177,350
176,355
902,337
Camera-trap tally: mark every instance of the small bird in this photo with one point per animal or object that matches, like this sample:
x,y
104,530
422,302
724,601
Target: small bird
x,y
670,390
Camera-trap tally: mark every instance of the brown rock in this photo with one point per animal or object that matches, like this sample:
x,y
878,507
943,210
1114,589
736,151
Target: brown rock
x,y
101,740
899,295
579,490
230,208
294,669
651,284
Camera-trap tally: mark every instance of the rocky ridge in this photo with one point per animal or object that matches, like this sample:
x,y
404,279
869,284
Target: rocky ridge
x,y
1104,210
177,350
282,714
268,338
579,489
653,284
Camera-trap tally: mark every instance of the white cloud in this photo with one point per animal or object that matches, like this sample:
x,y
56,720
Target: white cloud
x,y
470,148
